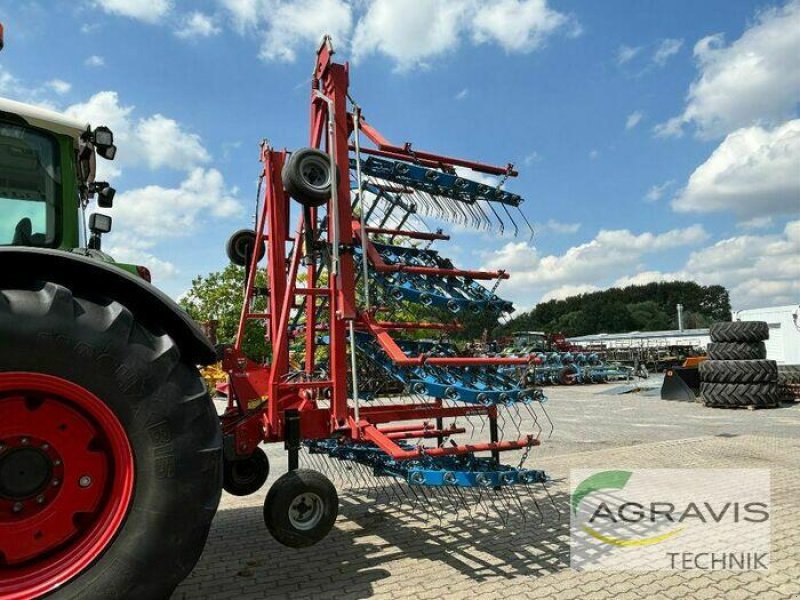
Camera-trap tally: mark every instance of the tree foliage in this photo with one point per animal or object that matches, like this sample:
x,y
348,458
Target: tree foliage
x,y
218,297
650,307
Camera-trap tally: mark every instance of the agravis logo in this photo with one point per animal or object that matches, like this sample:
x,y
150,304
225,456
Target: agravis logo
x,y
665,518
615,480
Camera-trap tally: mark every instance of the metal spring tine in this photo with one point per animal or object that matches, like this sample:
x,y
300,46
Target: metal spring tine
x,y
552,502
515,494
497,512
513,222
528,223
532,494
549,420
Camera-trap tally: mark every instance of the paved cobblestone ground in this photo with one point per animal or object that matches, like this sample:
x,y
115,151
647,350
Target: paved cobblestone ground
x,y
388,550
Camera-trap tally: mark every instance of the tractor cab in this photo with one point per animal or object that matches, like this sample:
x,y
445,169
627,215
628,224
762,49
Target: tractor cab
x,y
48,168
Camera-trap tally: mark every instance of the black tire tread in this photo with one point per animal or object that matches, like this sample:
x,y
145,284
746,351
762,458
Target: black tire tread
x,y
44,328
738,371
737,351
762,395
286,488
739,331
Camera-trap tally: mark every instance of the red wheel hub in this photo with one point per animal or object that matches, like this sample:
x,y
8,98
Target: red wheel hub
x,y
66,481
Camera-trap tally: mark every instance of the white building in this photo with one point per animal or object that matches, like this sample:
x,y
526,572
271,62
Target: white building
x,y
695,338
783,344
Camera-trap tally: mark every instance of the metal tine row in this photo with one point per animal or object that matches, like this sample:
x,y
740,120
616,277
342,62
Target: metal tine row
x,y
436,506
467,214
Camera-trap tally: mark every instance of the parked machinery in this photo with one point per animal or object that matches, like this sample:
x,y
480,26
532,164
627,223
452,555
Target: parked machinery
x,y
357,274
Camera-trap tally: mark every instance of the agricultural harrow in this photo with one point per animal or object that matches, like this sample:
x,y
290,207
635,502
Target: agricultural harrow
x,y
568,368
350,290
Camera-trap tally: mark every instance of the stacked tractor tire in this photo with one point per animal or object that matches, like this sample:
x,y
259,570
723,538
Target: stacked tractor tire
x,y
737,373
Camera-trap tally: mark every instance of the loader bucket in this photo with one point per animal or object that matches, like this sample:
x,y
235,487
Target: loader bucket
x,y
681,383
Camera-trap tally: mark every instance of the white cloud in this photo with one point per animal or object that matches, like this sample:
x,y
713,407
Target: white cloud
x,y
625,54
59,86
594,153
149,11
567,290
462,94
755,79
197,25
155,212
656,192
753,172
155,141
610,255
95,61
558,227
134,250
164,143
633,119
761,222
666,49
519,25
757,270
289,25
409,32
532,157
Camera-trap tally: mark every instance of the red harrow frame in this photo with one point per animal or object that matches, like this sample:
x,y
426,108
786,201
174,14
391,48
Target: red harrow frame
x,y
319,302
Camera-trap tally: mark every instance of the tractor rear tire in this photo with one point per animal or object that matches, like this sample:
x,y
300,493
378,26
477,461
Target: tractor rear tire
x,y
738,371
246,476
739,331
737,351
733,395
101,396
301,508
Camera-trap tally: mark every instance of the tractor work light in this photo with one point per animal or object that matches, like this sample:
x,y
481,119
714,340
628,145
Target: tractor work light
x,y
105,194
99,223
103,136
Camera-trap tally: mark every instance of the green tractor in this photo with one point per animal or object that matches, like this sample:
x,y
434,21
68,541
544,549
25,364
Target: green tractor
x,y
110,447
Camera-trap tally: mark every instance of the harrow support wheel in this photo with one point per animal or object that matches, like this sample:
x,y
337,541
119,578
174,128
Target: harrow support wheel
x,y
246,476
301,508
241,245
110,451
307,177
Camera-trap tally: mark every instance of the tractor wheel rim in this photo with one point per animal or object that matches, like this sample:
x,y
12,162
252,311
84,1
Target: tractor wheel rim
x,y
66,481
305,511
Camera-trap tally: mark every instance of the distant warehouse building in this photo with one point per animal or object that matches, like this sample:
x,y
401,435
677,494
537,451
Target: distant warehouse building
x,y
694,338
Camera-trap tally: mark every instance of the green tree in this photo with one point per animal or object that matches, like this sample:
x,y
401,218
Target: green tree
x,y
218,297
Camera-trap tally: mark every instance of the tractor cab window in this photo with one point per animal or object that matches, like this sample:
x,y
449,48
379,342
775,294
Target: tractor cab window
x,y
29,186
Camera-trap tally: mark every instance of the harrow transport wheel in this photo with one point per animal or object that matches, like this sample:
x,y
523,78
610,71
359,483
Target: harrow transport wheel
x,y
240,246
737,351
739,331
110,451
246,476
306,176
567,376
301,508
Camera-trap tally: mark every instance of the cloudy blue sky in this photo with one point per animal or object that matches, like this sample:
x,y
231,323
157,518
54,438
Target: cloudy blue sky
x,y
655,140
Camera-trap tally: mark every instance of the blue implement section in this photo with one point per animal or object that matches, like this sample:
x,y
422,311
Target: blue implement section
x,y
465,470
484,384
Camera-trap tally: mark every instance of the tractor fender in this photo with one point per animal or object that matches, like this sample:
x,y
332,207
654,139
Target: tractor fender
x,y
95,279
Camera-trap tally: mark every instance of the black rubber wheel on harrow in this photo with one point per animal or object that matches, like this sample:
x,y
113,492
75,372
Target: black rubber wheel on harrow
x,y
306,177
152,435
737,351
245,476
567,376
739,331
240,245
738,371
733,395
301,508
